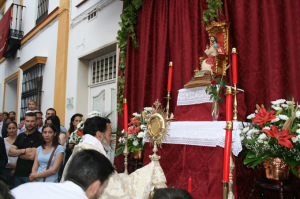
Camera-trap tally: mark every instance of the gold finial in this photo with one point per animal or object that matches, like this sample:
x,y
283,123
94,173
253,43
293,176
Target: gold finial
x,y
171,64
233,51
228,91
124,101
157,104
229,125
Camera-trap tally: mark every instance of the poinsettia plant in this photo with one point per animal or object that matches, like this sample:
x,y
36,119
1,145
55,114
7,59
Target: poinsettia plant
x,y
215,87
273,132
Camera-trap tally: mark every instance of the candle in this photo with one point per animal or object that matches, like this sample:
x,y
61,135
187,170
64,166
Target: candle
x,y
125,115
170,76
234,66
226,164
228,105
228,137
190,185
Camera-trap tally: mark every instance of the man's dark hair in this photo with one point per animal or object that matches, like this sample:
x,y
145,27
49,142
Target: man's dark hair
x,y
39,112
87,166
12,112
55,120
55,138
94,124
30,114
51,109
4,191
172,193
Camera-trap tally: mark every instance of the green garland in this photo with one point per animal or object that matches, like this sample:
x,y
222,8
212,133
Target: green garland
x,y
214,8
128,20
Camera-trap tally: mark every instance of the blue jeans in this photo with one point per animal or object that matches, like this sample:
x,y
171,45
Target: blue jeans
x,y
20,180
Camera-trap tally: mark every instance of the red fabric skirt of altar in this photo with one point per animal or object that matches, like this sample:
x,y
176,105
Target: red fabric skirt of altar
x,y
205,166
202,164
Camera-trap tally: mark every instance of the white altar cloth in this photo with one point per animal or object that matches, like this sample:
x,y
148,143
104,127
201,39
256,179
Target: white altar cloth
x,y
197,95
203,133
190,96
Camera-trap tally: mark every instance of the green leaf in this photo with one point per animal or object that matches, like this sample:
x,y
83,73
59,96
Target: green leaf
x,y
119,151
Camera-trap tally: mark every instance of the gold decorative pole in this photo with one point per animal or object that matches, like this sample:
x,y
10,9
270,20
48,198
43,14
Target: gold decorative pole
x,y
225,190
235,111
169,88
125,151
168,103
154,156
230,186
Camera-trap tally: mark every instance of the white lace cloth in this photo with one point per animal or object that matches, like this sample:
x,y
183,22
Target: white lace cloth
x,y
189,96
206,133
197,95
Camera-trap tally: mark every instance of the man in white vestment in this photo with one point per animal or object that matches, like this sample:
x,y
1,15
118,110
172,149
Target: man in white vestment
x,y
86,178
137,185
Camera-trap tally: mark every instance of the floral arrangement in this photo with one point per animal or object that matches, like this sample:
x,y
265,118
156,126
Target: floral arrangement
x,y
273,133
214,88
136,131
76,136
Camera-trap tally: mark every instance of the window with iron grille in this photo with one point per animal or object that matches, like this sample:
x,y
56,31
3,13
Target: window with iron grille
x,y
32,87
103,68
42,10
92,15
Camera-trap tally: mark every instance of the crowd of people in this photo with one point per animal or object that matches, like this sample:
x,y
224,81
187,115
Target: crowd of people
x,y
37,150
34,149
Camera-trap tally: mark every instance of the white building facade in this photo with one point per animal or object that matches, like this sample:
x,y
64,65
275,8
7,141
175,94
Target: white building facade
x,y
68,58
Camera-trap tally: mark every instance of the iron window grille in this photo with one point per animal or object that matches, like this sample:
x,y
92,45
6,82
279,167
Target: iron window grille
x,y
103,68
32,87
42,10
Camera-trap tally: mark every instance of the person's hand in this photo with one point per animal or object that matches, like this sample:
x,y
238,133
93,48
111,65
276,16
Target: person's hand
x,y
207,46
32,177
12,172
28,150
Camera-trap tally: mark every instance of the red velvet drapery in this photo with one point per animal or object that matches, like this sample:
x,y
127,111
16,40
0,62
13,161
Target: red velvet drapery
x,y
265,33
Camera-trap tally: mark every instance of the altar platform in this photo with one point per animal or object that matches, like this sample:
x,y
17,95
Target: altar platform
x,y
195,149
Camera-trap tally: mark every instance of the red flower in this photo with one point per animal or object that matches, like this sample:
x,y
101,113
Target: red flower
x,y
214,82
79,132
282,136
217,75
134,121
133,130
263,116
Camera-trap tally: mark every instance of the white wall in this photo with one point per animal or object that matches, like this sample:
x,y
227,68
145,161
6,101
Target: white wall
x,y
86,37
7,68
11,95
44,44
30,13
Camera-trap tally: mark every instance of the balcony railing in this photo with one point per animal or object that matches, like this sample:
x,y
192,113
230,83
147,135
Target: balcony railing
x,y
16,32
